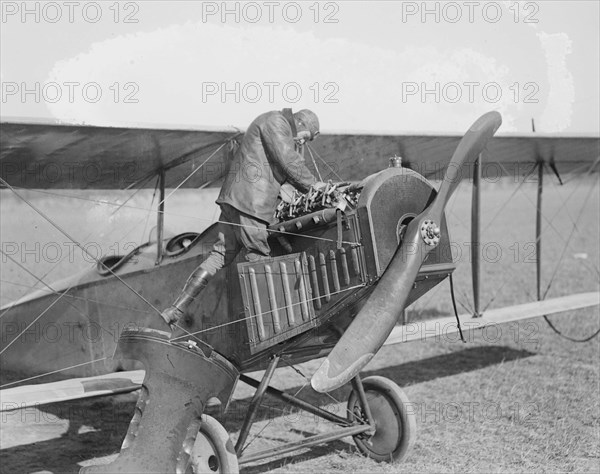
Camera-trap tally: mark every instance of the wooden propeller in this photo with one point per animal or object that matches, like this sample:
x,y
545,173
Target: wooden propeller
x,y
373,324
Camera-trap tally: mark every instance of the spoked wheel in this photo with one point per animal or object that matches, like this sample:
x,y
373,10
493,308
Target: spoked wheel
x,y
213,451
395,423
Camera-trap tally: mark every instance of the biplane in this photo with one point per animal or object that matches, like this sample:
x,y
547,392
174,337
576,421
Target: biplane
x,y
346,261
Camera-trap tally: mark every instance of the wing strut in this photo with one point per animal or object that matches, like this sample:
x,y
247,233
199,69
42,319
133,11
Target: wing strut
x,y
538,229
160,218
476,236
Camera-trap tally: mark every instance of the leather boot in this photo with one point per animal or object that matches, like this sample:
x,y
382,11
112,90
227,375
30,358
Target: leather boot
x,y
193,287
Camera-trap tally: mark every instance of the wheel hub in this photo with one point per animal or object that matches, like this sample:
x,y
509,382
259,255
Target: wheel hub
x,y
430,233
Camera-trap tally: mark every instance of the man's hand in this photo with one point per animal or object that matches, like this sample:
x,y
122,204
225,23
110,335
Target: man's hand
x,y
320,186
286,192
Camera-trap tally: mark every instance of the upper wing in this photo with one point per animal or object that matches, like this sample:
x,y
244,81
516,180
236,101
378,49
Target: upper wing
x,y
354,156
59,156
50,155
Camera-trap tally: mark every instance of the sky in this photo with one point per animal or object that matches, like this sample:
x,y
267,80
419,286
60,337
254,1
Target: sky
x,y
373,66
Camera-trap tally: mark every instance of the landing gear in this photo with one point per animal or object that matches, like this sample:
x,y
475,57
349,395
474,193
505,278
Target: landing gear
x,y
395,424
379,419
213,451
169,432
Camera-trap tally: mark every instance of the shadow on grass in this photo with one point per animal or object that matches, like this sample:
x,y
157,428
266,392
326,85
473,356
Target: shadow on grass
x,y
103,423
108,419
407,374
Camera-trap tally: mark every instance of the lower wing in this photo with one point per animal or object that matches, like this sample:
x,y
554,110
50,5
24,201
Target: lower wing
x,y
123,382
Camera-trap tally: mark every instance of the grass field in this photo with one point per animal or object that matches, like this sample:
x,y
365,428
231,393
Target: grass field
x,y
520,399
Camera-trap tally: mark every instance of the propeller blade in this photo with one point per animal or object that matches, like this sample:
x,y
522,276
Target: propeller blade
x,y
373,324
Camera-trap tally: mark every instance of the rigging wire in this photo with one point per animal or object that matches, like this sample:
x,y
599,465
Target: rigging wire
x,y
567,242
566,246
569,338
129,198
83,248
175,214
75,242
312,157
307,382
575,223
462,338
87,299
194,172
187,178
52,290
74,297
36,319
549,223
42,278
150,211
326,164
119,207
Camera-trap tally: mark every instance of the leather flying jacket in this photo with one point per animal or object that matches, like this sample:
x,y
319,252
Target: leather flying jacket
x,y
264,161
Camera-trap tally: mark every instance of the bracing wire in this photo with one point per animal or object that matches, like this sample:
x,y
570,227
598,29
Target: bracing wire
x,y
66,234
175,214
119,206
312,157
324,162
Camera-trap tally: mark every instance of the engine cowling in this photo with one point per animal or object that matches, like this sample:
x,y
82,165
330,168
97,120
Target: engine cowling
x,y
389,200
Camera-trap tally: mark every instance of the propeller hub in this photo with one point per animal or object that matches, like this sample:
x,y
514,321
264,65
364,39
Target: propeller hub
x,y
430,233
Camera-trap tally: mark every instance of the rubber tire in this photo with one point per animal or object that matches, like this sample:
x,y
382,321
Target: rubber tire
x,y
395,424
213,450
